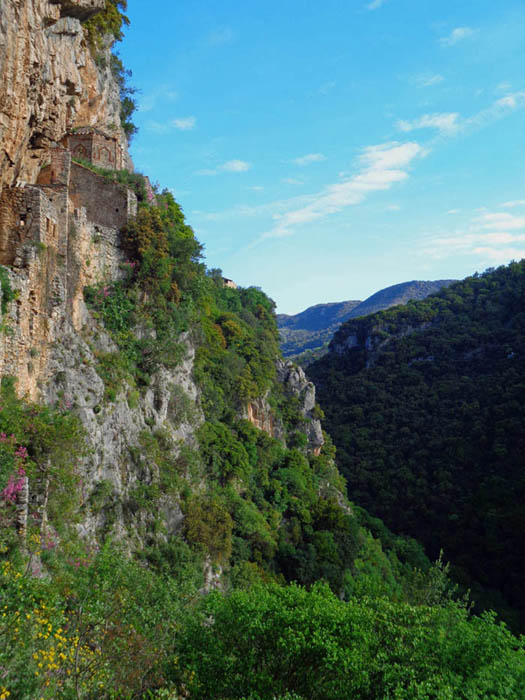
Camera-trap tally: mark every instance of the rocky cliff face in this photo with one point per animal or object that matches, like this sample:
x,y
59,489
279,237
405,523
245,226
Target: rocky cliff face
x,y
50,82
57,236
60,226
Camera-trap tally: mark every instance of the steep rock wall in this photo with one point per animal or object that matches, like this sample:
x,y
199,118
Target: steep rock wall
x,y
50,82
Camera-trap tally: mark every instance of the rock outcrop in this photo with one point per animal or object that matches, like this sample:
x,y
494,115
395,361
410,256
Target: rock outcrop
x,y
296,383
50,84
60,225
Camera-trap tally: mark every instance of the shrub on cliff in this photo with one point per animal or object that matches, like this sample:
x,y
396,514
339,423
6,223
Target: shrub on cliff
x,y
107,22
269,641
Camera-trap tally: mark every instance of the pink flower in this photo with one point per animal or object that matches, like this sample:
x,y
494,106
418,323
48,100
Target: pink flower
x,y
13,488
21,452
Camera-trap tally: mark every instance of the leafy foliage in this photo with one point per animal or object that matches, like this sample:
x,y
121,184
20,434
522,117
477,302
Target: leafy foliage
x,y
8,294
128,104
109,21
270,641
426,408
43,445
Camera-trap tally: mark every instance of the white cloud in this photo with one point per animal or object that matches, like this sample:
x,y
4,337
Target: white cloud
x,y
452,124
456,35
231,166
453,211
236,166
256,188
390,155
380,167
292,181
511,101
158,127
185,123
500,221
375,4
498,109
427,79
445,122
495,237
515,203
163,93
308,159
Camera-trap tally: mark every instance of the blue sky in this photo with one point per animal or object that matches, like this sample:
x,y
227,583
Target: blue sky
x,y
325,150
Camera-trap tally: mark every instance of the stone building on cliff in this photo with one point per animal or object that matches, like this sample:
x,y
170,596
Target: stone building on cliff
x,y
96,146
58,235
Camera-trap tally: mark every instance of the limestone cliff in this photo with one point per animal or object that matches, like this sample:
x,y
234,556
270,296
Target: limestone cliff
x,y
50,82
61,230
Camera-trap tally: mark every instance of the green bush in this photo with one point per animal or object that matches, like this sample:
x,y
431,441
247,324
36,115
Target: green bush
x,y
268,641
208,525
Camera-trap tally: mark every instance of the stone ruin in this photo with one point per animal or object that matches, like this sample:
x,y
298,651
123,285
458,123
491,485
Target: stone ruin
x,y
97,147
56,236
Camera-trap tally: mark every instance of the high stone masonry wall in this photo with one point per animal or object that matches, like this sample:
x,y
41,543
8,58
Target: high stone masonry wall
x,y
57,171
27,219
107,203
95,146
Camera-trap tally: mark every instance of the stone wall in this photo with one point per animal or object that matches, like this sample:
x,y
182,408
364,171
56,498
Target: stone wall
x,y
57,171
94,255
107,203
27,219
103,151
39,279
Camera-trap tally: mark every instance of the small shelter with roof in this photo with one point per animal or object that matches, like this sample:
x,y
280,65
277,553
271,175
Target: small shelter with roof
x,y
95,146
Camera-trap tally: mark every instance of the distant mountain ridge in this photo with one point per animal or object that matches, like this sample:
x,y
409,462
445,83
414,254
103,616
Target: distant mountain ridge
x,y
312,328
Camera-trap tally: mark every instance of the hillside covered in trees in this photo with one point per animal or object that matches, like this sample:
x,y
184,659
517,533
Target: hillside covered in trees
x,y
173,524
305,336
426,405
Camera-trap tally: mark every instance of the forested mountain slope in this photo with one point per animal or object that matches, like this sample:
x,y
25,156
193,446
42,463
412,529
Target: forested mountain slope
x,y
313,328
426,405
172,521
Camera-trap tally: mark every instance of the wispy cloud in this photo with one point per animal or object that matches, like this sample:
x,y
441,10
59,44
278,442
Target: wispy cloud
x,y
500,221
498,109
511,101
163,93
452,124
444,122
379,168
424,80
220,36
180,124
292,181
236,166
514,203
231,166
308,159
495,237
375,4
185,123
158,127
456,35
